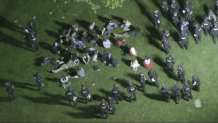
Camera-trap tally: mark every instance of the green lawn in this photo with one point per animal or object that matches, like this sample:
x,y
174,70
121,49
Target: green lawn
x,y
18,65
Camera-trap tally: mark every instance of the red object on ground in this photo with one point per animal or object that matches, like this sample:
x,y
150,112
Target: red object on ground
x,y
148,64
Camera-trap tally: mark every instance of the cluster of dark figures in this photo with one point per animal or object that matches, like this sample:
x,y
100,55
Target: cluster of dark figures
x,y
184,21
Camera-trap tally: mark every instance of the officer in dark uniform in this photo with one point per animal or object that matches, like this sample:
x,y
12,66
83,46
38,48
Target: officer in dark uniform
x,y
85,92
157,18
175,6
153,76
184,41
66,54
165,7
206,25
188,4
175,19
111,104
170,62
181,74
184,26
165,34
31,25
56,48
189,15
196,82
177,92
116,93
34,41
214,33
26,36
212,17
187,90
131,90
86,36
38,79
71,95
197,33
142,80
166,45
104,108
10,90
166,92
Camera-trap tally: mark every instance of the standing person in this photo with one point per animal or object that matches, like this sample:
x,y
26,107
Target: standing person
x,y
153,76
188,15
165,34
74,30
212,17
197,33
34,41
65,81
134,64
10,90
131,90
184,26
38,79
166,92
126,25
165,7
111,104
165,45
31,25
214,33
175,6
181,74
142,80
104,108
175,19
56,49
184,41
157,17
177,92
116,93
206,25
187,90
71,95
196,82
26,36
170,62
148,63
85,92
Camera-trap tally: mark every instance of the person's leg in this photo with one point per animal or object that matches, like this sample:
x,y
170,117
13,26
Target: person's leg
x,y
187,96
134,96
63,67
130,97
115,96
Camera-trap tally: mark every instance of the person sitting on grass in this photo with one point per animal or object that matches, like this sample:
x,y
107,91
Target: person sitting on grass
x,y
76,44
119,42
52,61
148,63
129,50
112,62
80,73
134,64
126,25
105,57
63,37
56,49
86,58
130,34
65,82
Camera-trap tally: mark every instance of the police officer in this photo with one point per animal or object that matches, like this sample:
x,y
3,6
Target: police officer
x,y
166,92
216,7
142,80
177,92
116,93
214,33
188,15
184,41
157,18
196,82
153,76
170,62
71,95
34,41
165,7
212,17
111,104
181,74
187,90
165,34
31,25
10,90
206,25
175,6
188,4
104,108
184,26
131,90
38,79
197,33
26,36
175,19
166,45
85,92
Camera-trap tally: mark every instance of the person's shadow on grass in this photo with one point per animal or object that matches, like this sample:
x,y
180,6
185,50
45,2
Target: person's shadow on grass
x,y
4,23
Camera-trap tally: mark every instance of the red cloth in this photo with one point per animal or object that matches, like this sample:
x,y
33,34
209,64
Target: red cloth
x,y
150,65
118,43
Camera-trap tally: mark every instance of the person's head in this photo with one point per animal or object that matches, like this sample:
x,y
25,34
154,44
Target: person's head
x,y
56,44
84,33
63,77
113,21
151,70
173,1
141,74
31,23
69,88
194,76
137,29
130,83
115,85
83,86
124,21
175,84
7,84
66,48
163,86
210,12
109,98
156,11
38,74
33,34
180,67
103,102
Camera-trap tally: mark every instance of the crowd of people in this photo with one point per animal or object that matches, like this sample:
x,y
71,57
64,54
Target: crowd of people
x,y
183,21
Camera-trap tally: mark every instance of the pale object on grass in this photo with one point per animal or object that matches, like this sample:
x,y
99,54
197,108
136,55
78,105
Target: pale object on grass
x,y
19,25
63,17
113,7
93,84
57,6
15,21
50,13
65,2
34,17
197,103
203,52
105,15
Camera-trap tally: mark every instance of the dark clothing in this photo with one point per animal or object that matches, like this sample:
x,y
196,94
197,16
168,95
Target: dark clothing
x,y
86,93
105,57
177,93
38,79
153,75
175,6
31,25
181,75
26,36
113,62
206,25
184,27
170,63
71,95
86,37
166,93
131,90
112,105
34,41
175,19
165,35
116,93
10,90
142,80
157,18
189,16
133,33
214,33
184,41
165,6
56,49
166,45
51,61
197,34
196,82
66,54
187,91
104,109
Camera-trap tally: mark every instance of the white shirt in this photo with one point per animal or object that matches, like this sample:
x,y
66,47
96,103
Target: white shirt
x,y
147,61
107,43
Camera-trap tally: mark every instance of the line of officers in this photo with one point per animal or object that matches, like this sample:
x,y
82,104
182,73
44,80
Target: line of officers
x,y
184,23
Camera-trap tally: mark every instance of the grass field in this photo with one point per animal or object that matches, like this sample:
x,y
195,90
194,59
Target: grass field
x,y
18,65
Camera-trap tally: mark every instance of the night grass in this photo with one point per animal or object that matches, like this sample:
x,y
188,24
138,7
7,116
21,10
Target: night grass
x,y
18,65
